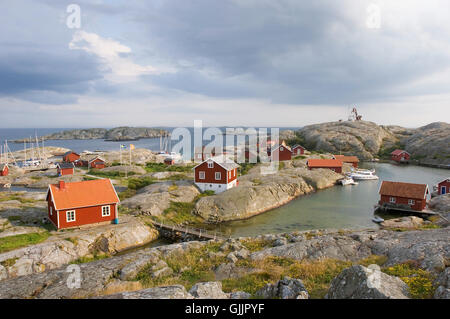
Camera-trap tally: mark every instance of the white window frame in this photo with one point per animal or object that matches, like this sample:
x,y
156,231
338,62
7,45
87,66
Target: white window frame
x,y
229,174
70,220
281,149
109,211
201,175
210,164
51,210
218,176
392,200
411,202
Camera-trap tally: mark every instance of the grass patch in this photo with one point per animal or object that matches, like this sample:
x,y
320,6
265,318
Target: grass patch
x,y
161,167
249,283
254,245
419,281
8,196
179,212
245,167
299,157
138,183
104,174
18,241
8,262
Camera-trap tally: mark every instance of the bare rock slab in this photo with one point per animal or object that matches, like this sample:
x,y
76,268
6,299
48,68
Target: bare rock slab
x,y
359,282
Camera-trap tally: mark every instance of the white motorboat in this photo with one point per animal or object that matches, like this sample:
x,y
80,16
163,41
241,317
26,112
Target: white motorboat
x,y
363,175
347,181
377,219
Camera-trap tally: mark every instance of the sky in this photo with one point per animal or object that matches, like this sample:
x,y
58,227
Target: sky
x,y
265,63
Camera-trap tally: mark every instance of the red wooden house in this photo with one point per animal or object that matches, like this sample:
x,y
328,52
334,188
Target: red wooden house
x,y
298,150
281,152
353,160
71,157
97,162
333,164
216,173
444,187
4,170
400,156
82,203
403,195
169,161
65,168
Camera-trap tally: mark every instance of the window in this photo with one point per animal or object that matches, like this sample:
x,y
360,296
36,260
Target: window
x,y
229,174
218,176
210,164
411,202
106,211
392,200
281,148
201,175
70,216
51,210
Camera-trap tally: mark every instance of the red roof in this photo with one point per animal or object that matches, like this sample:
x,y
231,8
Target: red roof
x,y
347,159
406,190
399,152
83,194
324,163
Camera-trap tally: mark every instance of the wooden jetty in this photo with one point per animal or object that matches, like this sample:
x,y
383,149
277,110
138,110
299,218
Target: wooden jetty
x,y
186,233
404,211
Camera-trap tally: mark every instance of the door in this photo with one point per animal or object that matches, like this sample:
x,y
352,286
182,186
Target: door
x,y
443,190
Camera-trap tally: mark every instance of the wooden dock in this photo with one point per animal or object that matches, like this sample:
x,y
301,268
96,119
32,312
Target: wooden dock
x,y
186,233
424,214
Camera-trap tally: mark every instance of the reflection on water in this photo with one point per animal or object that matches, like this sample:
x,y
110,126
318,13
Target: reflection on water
x,y
337,207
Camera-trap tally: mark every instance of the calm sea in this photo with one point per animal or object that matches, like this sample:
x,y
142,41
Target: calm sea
x,y
81,145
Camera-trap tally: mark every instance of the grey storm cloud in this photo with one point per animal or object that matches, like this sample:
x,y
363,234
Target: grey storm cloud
x,y
286,51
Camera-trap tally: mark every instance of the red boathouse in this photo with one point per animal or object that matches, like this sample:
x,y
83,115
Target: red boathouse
x,y
400,156
82,203
281,152
71,157
4,170
65,168
97,162
444,187
298,150
404,195
353,160
333,164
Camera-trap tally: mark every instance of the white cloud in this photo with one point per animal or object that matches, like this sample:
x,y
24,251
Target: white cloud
x,y
114,56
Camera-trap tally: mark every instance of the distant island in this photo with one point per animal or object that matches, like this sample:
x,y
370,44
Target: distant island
x,y
123,133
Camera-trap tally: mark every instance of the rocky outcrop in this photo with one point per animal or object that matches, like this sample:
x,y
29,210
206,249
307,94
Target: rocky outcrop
x,y
169,292
363,139
427,145
118,133
443,285
428,249
63,248
155,198
287,288
410,222
359,282
258,193
208,290
441,204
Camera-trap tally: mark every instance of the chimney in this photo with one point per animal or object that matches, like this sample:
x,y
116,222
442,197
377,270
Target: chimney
x,y
62,185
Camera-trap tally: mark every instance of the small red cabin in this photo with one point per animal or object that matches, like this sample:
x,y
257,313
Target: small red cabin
x,y
217,174
4,170
333,164
281,152
400,156
444,187
169,161
298,150
353,160
71,157
65,168
97,162
82,203
404,195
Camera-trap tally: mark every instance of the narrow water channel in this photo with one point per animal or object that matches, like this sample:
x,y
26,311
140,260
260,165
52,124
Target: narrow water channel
x,y
337,207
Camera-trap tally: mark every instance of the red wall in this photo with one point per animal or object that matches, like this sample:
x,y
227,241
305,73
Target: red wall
x,y
419,205
85,216
398,158
71,157
5,172
446,184
284,155
98,164
210,174
335,169
65,171
298,151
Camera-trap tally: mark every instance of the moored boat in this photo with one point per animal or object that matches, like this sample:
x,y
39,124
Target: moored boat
x,y
363,174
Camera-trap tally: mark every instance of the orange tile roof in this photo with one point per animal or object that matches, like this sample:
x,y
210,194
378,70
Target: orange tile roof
x,y
347,159
407,190
83,194
315,162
